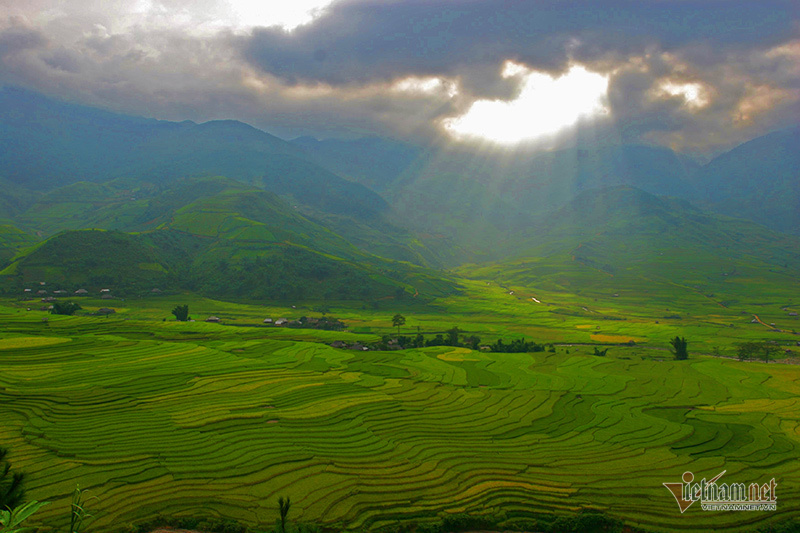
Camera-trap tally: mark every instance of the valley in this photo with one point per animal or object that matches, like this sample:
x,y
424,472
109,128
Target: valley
x,y
602,255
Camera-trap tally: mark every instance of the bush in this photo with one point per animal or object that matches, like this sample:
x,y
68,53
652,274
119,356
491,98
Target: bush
x,y
65,308
586,522
181,313
11,491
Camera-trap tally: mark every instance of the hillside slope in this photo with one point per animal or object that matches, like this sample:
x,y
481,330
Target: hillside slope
x,y
759,180
45,144
212,235
621,239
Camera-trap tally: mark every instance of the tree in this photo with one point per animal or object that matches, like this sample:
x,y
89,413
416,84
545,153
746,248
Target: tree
x,y
769,350
11,491
64,308
419,341
600,353
761,350
181,312
748,350
474,342
397,321
680,348
452,336
283,507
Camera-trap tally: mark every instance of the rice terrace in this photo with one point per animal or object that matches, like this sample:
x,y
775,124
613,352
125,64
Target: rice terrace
x,y
209,419
333,266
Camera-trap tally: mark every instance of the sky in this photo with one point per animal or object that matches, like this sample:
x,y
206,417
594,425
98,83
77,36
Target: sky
x,y
696,76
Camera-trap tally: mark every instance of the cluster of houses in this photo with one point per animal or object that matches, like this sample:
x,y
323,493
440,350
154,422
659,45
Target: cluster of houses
x,y
327,323
391,345
105,294
49,298
352,346
267,321
278,322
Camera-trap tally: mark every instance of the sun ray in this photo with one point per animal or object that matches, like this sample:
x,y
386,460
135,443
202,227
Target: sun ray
x,y
545,106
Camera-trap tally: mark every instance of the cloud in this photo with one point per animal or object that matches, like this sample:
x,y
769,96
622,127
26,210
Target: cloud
x,y
17,37
403,67
359,41
696,75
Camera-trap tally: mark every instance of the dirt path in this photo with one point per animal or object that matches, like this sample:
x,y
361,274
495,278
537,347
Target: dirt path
x,y
762,323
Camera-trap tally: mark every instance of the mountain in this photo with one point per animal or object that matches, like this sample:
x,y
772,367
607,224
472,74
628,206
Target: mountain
x,y
758,180
483,198
618,239
215,236
372,161
45,144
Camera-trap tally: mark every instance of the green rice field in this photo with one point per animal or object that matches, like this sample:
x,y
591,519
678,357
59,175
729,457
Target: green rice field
x,y
212,420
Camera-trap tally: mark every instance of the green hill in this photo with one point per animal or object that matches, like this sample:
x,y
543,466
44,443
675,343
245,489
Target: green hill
x,y
134,205
91,258
624,241
12,240
212,235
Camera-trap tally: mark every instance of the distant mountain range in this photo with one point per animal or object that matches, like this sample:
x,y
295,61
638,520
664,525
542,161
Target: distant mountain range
x,y
622,241
759,180
45,144
227,210
445,189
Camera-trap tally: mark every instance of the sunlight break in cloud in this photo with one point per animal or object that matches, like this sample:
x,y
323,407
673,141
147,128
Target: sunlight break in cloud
x,y
544,106
429,85
289,15
693,94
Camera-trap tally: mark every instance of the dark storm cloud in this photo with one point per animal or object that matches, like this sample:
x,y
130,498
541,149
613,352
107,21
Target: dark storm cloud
x,y
18,37
360,41
337,76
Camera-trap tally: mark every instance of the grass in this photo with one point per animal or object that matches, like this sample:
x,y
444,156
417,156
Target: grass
x,y
159,417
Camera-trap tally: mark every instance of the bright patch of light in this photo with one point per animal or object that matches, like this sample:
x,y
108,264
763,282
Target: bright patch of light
x,y
289,15
544,106
511,69
692,93
429,85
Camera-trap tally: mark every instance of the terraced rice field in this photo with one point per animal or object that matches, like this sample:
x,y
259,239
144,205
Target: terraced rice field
x,y
202,419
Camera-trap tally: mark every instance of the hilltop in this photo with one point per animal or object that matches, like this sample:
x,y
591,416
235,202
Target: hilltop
x,y
213,235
